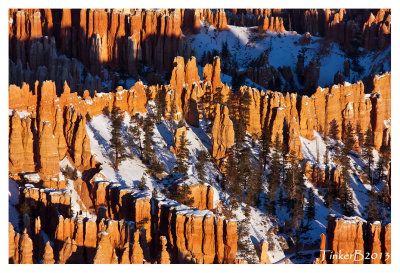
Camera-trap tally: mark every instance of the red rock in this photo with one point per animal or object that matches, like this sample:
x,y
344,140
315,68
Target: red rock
x,y
322,255
25,249
230,241
137,252
105,253
48,256
345,236
11,243
222,132
264,258
164,257
387,239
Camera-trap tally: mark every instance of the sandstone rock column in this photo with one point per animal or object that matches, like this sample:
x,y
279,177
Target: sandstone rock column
x,y
264,258
25,249
48,256
222,132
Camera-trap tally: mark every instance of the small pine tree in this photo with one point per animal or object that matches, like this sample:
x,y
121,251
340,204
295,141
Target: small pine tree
x,y
134,131
148,143
244,167
331,193
182,156
239,127
218,97
254,187
245,102
384,160
274,175
291,175
360,135
367,153
373,213
202,159
142,184
156,167
333,129
74,174
117,143
183,195
160,105
310,208
326,156
265,147
233,181
106,111
345,194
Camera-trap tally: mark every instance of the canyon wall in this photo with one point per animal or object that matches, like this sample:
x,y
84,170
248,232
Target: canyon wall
x,y
352,240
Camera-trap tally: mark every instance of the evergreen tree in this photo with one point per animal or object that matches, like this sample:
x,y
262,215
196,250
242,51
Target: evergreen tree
x,y
333,129
298,204
148,143
245,102
373,207
384,160
156,167
225,57
346,199
291,176
331,193
233,181
255,185
239,127
244,165
142,183
135,139
326,156
265,147
117,143
344,159
274,174
310,208
217,99
183,195
360,135
106,111
182,155
160,105
202,159
367,153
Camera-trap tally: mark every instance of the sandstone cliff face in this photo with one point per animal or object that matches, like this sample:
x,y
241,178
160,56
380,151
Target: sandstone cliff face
x,y
353,241
345,26
253,125
222,132
191,233
345,236
120,39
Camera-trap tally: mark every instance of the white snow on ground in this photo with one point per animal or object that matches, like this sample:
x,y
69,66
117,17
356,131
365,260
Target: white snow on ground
x,y
99,132
13,200
132,169
284,49
359,190
258,227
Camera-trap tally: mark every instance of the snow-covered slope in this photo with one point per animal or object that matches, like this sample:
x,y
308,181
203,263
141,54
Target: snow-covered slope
x,y
246,45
